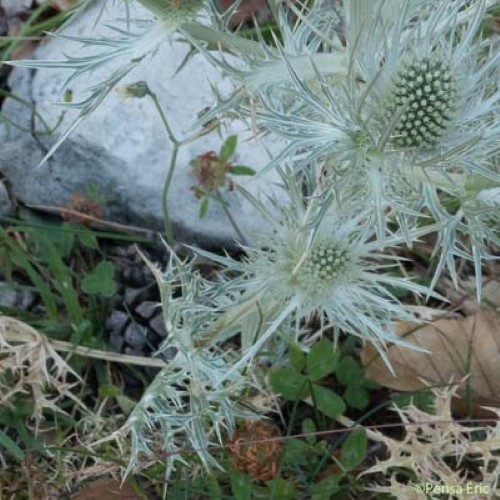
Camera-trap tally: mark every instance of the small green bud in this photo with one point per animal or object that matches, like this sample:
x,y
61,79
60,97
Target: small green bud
x,y
138,89
68,96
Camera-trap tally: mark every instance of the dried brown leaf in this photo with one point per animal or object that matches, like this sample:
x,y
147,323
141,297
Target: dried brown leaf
x,y
108,489
465,297
463,351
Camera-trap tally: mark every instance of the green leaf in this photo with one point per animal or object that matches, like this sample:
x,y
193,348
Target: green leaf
x,y
93,191
228,148
100,281
109,391
321,360
9,445
213,488
83,333
241,170
308,427
298,452
289,383
63,238
349,371
282,489
21,259
424,400
354,449
297,356
356,396
327,402
241,486
370,384
63,279
88,239
112,391
62,235
325,488
203,208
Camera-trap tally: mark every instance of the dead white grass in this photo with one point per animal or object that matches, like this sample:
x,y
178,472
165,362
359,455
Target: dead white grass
x,y
29,364
437,451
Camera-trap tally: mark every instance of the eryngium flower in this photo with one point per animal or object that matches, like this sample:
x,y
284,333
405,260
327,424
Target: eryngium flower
x,y
424,95
320,262
399,103
390,94
420,88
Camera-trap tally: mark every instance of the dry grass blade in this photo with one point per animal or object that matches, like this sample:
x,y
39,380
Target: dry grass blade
x,y
16,331
462,351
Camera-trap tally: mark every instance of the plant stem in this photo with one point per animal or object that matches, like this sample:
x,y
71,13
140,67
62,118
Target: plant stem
x,y
169,233
230,217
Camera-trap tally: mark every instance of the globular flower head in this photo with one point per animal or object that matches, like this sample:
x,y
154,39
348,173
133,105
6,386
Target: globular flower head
x,y
424,95
325,265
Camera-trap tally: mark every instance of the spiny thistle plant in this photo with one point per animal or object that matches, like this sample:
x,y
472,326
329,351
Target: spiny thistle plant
x,y
390,114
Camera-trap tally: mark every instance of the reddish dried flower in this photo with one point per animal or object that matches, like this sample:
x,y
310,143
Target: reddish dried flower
x,y
251,455
210,171
81,209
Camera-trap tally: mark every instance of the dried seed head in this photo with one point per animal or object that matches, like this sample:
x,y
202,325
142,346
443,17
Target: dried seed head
x,y
261,459
424,95
210,171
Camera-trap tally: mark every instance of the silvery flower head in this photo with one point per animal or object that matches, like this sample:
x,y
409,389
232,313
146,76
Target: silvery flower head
x,y
399,100
320,262
415,85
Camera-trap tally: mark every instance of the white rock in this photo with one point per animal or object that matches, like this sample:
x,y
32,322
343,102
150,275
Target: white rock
x,y
6,207
122,147
13,7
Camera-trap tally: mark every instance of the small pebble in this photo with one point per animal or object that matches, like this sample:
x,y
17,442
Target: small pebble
x,y
153,340
134,296
116,341
26,299
137,277
147,309
125,251
8,295
168,354
117,321
157,324
135,336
